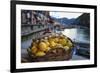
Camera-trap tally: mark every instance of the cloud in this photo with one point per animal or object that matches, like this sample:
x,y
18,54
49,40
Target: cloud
x,y
68,15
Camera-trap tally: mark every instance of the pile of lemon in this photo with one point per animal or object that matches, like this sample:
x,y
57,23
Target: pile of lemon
x,y
41,47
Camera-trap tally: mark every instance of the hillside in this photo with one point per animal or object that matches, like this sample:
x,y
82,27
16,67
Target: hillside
x,y
83,20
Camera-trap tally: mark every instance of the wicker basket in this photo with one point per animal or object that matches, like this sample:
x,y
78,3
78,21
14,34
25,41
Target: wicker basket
x,y
55,54
59,54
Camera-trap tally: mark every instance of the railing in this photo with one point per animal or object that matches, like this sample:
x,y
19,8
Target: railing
x,y
33,31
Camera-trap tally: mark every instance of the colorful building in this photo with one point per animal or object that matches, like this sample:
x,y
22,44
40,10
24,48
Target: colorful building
x,y
37,24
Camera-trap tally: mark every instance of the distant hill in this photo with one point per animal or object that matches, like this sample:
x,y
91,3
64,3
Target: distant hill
x,y
83,20
64,20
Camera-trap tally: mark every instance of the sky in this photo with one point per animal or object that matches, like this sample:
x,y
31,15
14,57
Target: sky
x,y
68,15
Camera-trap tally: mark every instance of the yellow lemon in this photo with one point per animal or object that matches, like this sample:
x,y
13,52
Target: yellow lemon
x,y
40,53
42,46
56,40
62,41
51,39
34,49
69,43
52,44
66,48
48,49
47,43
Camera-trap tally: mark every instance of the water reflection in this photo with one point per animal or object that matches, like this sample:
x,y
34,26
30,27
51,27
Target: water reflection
x,y
78,34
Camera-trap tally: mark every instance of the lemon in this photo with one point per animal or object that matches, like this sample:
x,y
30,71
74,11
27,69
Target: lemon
x,y
51,39
52,44
66,48
34,49
69,43
48,49
42,46
46,42
62,41
56,40
40,53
